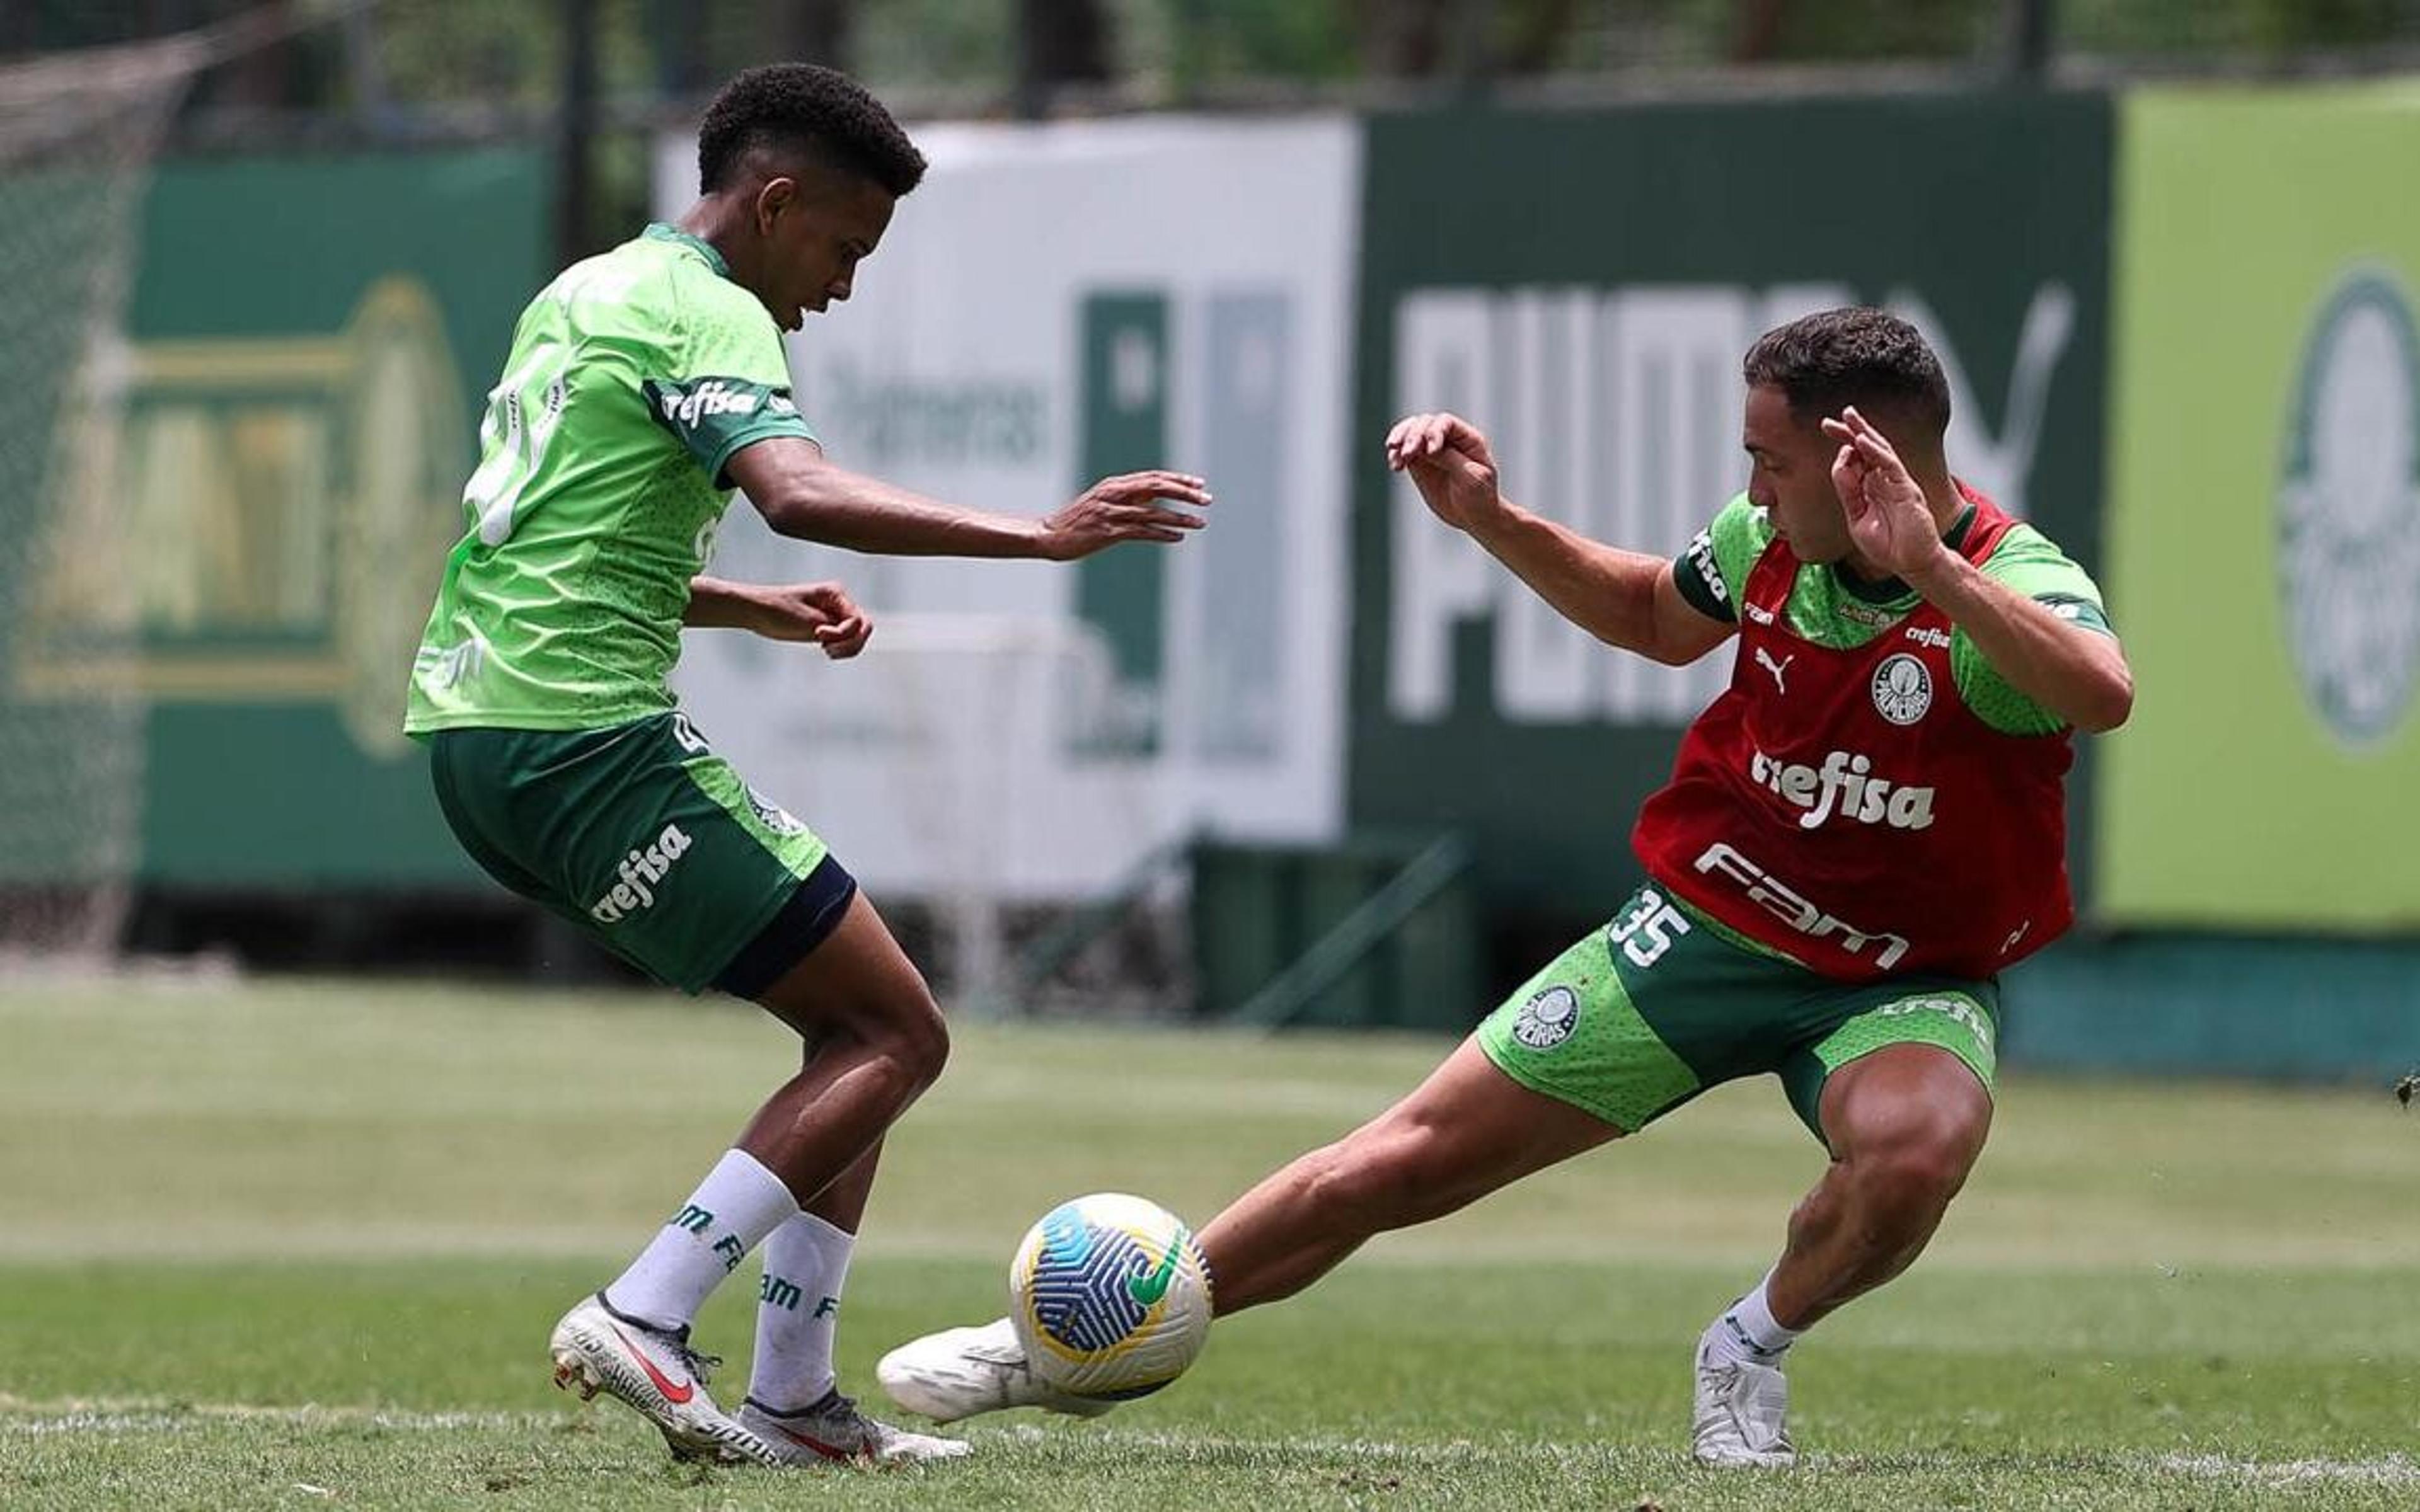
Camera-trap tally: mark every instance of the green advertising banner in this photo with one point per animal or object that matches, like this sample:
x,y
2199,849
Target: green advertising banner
x,y
308,339
1125,430
1583,286
2265,511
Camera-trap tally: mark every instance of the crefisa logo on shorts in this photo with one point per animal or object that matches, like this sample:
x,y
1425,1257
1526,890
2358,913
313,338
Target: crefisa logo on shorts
x,y
1548,1018
2348,510
1959,1010
640,868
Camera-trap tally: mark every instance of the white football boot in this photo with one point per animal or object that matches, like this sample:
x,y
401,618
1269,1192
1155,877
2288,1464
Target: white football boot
x,y
1738,1408
835,1430
653,1370
962,1371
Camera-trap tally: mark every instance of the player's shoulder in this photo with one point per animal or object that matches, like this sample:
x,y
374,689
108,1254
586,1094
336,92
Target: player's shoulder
x,y
694,275
1737,536
2024,541
655,284
1739,522
2026,560
1711,570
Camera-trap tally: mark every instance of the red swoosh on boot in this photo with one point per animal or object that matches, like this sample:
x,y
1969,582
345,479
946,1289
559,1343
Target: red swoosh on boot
x,y
676,1393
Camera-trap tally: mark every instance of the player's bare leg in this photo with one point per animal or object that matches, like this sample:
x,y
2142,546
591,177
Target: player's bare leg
x,y
1905,1125
879,1043
1465,1132
793,1403
841,1204
876,1041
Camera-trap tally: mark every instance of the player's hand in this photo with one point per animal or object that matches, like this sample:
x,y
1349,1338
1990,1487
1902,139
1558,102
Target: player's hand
x,y
1447,459
1131,506
819,613
1888,520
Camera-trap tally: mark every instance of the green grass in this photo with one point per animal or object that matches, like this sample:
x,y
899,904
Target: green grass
x,y
298,1245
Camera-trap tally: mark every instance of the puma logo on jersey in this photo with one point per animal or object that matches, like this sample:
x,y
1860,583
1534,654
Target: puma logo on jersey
x,y
639,869
1764,659
1845,787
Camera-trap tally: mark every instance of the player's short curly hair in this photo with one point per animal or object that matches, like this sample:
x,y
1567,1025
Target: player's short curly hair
x,y
819,111
1825,362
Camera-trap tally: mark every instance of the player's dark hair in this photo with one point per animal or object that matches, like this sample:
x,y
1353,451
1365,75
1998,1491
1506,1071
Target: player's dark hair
x,y
808,108
1825,363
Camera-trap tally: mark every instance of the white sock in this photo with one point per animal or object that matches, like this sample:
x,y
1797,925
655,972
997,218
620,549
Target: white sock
x,y
798,1310
738,1204
1746,1334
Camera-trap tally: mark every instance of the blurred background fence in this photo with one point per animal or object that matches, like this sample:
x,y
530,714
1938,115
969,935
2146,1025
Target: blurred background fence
x,y
1326,764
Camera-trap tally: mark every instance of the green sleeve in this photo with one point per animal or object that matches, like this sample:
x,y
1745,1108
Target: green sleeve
x,y
1711,570
728,383
2025,561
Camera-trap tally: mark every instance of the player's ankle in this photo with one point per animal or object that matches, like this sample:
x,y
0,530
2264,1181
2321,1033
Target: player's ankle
x,y
1748,1332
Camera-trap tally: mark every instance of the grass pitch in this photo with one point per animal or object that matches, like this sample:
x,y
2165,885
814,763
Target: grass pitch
x,y
299,1244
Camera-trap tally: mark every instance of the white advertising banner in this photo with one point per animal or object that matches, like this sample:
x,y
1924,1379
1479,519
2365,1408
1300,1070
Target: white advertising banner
x,y
1054,303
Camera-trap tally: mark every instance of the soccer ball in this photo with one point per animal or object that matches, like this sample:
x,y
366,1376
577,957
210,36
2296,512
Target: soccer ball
x,y
1110,1297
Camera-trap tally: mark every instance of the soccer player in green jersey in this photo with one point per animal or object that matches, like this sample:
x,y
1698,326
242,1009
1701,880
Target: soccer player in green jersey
x,y
1860,832
642,386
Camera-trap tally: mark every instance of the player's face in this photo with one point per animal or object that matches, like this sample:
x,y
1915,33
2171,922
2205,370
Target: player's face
x,y
816,235
1790,478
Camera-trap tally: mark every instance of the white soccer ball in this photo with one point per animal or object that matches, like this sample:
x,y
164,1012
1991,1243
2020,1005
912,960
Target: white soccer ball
x,y
1110,1296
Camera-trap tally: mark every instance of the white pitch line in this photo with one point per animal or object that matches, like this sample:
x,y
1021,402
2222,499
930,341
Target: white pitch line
x,y
22,1416
2390,1470
1177,1443
19,1415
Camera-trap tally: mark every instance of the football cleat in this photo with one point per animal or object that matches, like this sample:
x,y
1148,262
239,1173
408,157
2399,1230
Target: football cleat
x,y
960,1372
835,1430
655,1371
1738,1409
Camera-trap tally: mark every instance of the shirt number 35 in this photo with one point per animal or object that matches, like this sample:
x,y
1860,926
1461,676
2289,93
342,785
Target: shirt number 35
x,y
1647,928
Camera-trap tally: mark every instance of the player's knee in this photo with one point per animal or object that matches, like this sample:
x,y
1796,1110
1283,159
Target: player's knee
x,y
898,1048
918,1042
1379,1179
1350,1194
1915,1167
1908,1141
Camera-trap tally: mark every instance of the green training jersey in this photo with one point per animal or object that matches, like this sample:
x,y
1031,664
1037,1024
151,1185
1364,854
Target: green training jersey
x,y
633,378
1833,607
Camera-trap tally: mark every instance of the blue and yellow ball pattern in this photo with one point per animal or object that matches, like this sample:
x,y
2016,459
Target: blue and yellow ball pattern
x,y
1110,1296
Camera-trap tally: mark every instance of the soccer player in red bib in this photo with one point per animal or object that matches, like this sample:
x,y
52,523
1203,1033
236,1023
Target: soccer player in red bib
x,y
1860,832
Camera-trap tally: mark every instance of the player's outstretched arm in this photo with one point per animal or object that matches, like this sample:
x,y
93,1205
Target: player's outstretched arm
x,y
804,496
1624,599
2077,674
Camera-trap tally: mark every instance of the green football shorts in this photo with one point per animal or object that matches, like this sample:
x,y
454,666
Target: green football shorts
x,y
1662,1003
644,838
